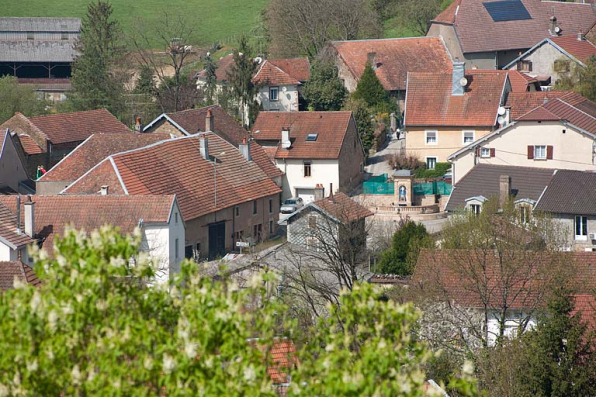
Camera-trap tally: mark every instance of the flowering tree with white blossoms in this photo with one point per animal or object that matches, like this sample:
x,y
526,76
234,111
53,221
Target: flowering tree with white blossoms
x,y
95,327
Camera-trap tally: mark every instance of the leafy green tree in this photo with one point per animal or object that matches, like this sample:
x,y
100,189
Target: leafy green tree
x,y
145,83
370,90
240,77
324,91
364,121
97,326
581,80
97,76
210,80
18,98
403,254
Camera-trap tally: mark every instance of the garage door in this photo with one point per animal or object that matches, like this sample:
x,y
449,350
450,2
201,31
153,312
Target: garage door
x,y
307,195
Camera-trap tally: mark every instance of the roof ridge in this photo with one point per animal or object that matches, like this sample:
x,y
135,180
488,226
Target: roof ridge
x,y
574,107
387,39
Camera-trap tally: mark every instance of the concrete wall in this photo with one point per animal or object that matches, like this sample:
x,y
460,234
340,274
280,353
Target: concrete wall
x,y
54,187
543,62
571,150
12,171
287,100
344,74
322,171
197,230
567,224
449,140
462,166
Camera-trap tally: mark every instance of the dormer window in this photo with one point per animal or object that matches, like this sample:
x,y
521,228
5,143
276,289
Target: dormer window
x,y
312,137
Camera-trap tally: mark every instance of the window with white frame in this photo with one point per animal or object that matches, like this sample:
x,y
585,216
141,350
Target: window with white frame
x,y
581,227
431,137
431,163
475,209
273,93
484,152
540,152
468,137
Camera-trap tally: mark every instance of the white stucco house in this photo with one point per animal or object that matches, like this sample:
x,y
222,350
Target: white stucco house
x,y
313,149
26,220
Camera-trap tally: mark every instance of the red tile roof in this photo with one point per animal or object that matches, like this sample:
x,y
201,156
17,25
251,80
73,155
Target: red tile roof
x,y
176,166
93,150
10,270
298,68
522,102
477,32
585,307
331,128
395,58
429,100
519,81
582,50
90,212
270,74
343,208
8,227
29,145
558,109
283,359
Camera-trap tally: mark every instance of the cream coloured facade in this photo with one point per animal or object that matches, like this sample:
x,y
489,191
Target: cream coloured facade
x,y
571,148
297,182
439,143
279,98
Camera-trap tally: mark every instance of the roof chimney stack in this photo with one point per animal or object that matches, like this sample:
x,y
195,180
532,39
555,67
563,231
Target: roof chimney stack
x,y
504,189
372,59
331,198
204,142
554,26
319,192
285,138
458,80
19,215
580,36
245,149
104,190
29,217
138,125
209,121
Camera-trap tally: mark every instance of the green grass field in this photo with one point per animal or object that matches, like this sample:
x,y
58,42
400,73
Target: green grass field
x,y
212,20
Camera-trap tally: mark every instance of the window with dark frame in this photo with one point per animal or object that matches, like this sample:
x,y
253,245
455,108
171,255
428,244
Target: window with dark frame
x,y
270,227
237,210
431,163
307,168
255,209
273,93
475,209
270,206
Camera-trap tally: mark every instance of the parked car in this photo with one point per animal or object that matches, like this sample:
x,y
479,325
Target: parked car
x,y
291,205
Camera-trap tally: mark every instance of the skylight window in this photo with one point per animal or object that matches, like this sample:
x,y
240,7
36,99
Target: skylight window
x,y
311,137
507,10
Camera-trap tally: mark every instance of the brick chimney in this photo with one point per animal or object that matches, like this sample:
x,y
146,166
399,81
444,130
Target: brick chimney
x,y
371,57
29,217
209,121
456,78
504,189
204,143
319,192
244,148
138,125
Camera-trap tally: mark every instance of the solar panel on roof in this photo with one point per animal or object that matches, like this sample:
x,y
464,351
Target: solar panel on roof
x,y
507,10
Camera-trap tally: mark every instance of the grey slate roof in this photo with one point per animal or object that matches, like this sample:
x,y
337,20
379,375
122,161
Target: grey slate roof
x,y
40,24
37,51
483,180
570,192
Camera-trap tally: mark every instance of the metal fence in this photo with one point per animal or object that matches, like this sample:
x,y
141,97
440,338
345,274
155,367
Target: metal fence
x,y
435,187
379,185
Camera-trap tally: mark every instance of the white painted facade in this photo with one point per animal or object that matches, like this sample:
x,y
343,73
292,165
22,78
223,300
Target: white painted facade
x,y
322,172
7,253
513,320
572,149
287,98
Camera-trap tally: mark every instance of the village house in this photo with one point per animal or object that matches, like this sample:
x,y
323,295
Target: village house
x,y
16,270
334,220
391,60
213,119
554,58
224,196
559,134
445,112
45,140
26,220
13,177
491,34
311,149
279,81
88,154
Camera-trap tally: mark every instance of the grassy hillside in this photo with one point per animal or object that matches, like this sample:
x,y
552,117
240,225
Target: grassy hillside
x,y
212,20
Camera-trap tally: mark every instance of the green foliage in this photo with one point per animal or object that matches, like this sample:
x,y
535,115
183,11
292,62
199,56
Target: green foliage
x,y
581,80
210,80
95,327
18,98
97,79
371,91
402,256
324,91
439,171
145,83
240,78
364,122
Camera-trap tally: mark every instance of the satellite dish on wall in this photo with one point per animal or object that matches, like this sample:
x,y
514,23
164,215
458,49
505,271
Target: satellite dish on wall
x,y
501,111
557,29
501,120
284,88
463,82
258,60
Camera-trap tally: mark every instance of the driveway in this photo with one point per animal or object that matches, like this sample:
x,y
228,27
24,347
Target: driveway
x,y
377,165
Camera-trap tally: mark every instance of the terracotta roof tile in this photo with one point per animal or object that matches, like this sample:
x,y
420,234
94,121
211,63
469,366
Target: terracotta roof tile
x,y
331,128
29,145
90,212
298,68
176,166
570,192
585,306
395,58
429,100
559,109
93,150
8,226
477,32
10,270
270,74
343,208
582,50
522,102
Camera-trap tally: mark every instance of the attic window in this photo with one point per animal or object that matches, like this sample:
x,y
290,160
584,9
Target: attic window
x,y
311,137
